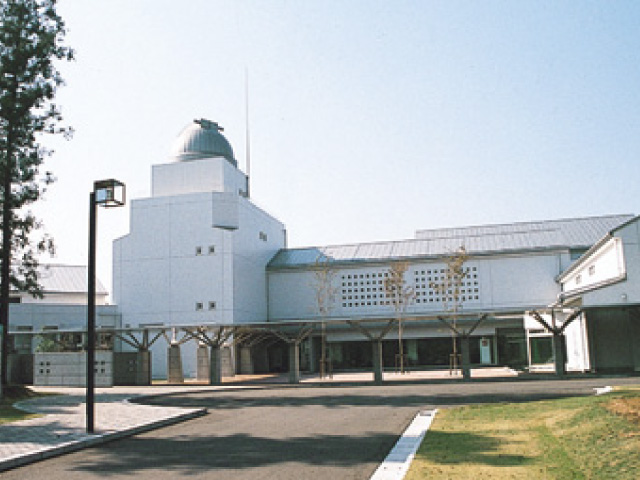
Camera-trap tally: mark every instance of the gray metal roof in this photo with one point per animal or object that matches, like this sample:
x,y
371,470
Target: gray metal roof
x,y
66,279
575,233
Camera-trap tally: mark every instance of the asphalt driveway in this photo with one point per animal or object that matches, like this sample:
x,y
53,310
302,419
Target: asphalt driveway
x,y
287,432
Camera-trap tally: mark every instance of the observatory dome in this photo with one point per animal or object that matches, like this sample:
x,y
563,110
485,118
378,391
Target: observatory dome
x,y
202,139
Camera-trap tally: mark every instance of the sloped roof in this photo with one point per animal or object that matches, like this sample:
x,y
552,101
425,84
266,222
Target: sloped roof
x,y
67,279
574,233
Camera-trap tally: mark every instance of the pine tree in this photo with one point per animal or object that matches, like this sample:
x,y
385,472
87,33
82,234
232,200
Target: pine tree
x,y
31,41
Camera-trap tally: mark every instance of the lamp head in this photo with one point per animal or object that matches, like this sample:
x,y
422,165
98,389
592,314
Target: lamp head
x,y
109,193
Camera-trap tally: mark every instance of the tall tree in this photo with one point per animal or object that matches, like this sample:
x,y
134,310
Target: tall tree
x,y
449,288
31,41
326,292
401,296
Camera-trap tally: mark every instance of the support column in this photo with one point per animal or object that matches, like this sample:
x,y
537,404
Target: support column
x,y
294,362
464,347
558,353
203,365
174,367
246,361
313,361
377,361
215,366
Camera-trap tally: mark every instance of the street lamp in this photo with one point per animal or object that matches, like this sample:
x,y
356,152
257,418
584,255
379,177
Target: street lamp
x,y
106,193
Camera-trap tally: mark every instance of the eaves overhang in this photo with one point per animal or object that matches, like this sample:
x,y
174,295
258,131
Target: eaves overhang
x,y
273,265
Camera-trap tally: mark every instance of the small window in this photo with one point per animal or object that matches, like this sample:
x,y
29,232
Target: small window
x,y
578,279
198,250
199,305
592,270
263,236
212,249
212,305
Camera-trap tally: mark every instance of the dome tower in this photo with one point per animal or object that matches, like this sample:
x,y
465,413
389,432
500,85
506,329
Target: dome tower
x,y
202,139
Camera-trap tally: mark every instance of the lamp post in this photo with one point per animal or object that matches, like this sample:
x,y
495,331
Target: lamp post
x,y
106,193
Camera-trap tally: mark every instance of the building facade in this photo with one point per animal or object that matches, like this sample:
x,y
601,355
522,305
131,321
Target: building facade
x,y
201,255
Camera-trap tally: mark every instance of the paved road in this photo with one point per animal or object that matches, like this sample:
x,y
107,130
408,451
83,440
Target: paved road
x,y
286,433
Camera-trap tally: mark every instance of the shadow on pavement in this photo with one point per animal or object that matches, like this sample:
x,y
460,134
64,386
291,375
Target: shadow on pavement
x,y
188,455
310,397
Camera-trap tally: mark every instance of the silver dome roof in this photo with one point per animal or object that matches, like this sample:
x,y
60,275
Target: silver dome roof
x,y
202,139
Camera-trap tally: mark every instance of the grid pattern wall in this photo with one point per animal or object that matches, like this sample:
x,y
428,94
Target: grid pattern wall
x,y
366,289
426,290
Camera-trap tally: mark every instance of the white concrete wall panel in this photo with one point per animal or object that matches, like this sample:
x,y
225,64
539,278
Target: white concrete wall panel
x,y
255,243
627,290
606,264
196,176
492,283
519,281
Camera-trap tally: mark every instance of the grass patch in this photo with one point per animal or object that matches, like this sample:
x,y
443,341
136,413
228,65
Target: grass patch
x,y
11,395
572,438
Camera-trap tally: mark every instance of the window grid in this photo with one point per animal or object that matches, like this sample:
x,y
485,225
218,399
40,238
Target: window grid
x,y
367,289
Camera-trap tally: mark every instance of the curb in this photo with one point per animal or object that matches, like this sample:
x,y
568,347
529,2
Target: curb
x,y
396,465
93,440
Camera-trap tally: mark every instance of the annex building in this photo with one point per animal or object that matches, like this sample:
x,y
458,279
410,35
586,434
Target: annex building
x,y
205,276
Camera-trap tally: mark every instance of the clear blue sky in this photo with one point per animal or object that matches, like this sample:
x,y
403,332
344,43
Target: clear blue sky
x,y
369,119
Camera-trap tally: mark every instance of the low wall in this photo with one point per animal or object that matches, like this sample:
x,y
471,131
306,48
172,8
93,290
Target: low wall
x,y
69,369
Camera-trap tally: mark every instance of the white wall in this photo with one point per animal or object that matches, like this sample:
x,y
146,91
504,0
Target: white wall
x,y
196,176
164,268
617,260
606,264
255,243
493,283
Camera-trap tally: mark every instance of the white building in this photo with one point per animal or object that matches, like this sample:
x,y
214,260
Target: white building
x,y
511,270
61,314
201,253
197,249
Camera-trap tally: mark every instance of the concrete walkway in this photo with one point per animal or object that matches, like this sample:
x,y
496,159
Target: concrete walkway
x,y
62,428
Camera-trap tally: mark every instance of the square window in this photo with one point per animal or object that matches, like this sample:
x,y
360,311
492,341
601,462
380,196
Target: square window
x,y
199,305
212,305
198,250
212,249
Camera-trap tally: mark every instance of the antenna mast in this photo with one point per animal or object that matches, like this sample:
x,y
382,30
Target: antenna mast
x,y
247,138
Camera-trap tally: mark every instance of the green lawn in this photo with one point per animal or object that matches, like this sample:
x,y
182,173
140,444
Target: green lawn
x,y
10,395
573,438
